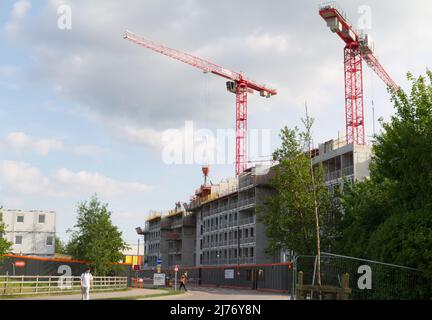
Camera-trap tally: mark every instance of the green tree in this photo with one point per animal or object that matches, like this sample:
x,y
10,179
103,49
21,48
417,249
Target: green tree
x,y
403,152
5,246
389,217
297,215
95,238
59,246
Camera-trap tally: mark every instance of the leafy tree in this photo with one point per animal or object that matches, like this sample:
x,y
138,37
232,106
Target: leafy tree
x,y
389,217
302,203
5,245
59,246
403,152
95,238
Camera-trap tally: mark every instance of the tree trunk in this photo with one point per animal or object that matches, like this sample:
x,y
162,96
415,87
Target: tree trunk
x,y
308,124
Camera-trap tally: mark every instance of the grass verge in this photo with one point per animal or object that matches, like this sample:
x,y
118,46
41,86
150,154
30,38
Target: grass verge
x,y
41,295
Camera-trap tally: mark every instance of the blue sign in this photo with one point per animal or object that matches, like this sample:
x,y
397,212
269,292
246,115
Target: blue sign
x,y
159,261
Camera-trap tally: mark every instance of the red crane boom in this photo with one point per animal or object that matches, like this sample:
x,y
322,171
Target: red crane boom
x,y
238,85
357,48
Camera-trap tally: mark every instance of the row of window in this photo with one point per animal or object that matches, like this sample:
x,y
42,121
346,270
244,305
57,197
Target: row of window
x,y
215,221
49,240
228,254
154,235
228,236
153,248
20,218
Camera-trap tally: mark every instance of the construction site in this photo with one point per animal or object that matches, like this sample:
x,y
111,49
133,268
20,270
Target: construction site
x,y
310,183
219,228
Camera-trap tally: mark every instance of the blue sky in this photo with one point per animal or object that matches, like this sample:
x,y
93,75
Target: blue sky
x,y
82,110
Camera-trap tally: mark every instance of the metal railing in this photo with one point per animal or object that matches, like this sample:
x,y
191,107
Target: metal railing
x,y
43,285
247,240
246,202
249,220
338,174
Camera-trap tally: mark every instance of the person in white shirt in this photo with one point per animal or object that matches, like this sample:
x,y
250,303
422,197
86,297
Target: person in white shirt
x,y
86,284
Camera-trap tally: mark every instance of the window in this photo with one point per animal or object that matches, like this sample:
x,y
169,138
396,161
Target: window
x,y
18,239
20,219
49,241
41,218
251,232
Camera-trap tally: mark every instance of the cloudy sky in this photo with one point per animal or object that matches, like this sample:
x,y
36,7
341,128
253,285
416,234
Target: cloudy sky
x,y
83,111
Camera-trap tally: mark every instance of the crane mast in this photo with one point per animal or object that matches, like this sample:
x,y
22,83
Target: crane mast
x,y
358,47
237,84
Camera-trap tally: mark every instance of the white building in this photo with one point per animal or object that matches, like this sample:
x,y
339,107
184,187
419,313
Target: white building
x,y
31,232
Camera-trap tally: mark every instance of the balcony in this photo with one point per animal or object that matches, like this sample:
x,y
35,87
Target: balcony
x,y
173,236
178,223
245,182
245,221
247,240
338,174
246,202
165,224
229,261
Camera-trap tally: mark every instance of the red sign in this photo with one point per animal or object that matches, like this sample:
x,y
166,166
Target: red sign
x,y
176,269
136,267
20,264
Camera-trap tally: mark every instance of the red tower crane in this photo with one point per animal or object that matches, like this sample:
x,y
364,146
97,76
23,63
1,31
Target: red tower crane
x,y
358,47
238,84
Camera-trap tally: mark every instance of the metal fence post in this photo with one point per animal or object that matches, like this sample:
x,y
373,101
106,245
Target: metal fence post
x,y
294,278
6,285
22,283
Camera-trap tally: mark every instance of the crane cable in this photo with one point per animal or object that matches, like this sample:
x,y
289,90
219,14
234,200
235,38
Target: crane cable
x,y
206,98
372,101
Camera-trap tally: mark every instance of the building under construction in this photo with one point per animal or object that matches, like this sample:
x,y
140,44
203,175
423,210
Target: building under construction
x,y
229,231
341,160
170,238
221,225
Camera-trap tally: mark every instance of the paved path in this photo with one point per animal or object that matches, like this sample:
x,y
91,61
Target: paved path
x,y
224,294
99,295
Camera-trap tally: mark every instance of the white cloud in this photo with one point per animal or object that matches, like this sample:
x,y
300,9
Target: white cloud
x,y
8,71
94,182
25,179
19,141
89,150
22,142
21,8
143,136
268,42
19,12
22,178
